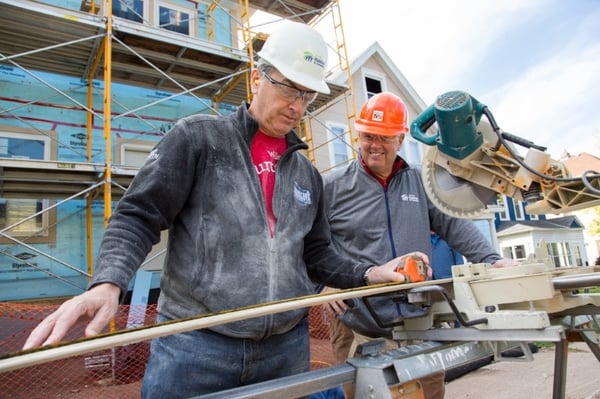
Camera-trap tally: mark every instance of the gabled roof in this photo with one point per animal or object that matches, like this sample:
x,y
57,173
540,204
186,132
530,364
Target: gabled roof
x,y
565,222
391,70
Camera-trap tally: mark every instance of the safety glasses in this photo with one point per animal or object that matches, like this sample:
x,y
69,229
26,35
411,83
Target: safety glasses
x,y
291,92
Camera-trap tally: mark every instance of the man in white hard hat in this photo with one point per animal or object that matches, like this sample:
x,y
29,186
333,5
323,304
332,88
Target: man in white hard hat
x,y
244,210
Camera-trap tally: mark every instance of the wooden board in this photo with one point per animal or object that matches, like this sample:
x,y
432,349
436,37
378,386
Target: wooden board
x,y
17,360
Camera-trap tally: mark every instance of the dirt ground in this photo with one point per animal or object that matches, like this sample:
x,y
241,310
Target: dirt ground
x,y
531,379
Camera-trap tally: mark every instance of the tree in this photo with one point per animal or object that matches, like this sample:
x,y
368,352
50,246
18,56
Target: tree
x,y
594,226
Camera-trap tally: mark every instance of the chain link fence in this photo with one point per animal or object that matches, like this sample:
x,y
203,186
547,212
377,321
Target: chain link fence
x,y
113,373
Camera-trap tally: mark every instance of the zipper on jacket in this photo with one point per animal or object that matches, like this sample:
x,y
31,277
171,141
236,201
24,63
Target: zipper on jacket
x,y
389,222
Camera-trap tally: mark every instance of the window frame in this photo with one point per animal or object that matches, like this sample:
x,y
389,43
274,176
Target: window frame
x,y
519,209
333,139
502,211
144,10
47,213
373,75
192,16
125,146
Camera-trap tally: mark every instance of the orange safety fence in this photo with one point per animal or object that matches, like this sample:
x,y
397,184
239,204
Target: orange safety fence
x,y
112,373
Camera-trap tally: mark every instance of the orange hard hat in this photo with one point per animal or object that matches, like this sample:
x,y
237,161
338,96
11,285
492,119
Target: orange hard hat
x,y
384,114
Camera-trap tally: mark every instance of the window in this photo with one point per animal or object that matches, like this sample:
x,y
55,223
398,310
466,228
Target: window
x,y
520,252
132,10
566,253
410,151
175,19
503,211
132,152
514,252
554,254
19,212
340,147
534,217
14,210
519,211
373,86
578,260
135,155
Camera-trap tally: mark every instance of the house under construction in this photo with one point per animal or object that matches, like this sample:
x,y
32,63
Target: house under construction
x,y
86,90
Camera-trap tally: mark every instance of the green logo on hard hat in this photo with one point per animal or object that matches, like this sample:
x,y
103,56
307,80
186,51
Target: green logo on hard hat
x,y
313,59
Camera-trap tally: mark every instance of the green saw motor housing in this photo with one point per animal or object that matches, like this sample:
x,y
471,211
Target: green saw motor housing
x,y
457,114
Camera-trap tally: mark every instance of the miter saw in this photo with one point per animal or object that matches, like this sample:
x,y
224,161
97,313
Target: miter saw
x,y
472,160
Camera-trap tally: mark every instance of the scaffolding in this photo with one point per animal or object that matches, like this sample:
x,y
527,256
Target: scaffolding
x,y
102,49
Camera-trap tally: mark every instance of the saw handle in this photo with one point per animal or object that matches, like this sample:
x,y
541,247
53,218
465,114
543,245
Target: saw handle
x,y
423,122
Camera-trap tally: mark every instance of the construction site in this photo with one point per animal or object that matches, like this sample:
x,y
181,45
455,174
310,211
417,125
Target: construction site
x,y
88,87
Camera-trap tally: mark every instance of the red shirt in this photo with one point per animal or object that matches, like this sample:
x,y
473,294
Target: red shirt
x,y
265,151
398,164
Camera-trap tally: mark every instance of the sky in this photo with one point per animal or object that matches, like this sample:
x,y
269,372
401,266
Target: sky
x,y
534,63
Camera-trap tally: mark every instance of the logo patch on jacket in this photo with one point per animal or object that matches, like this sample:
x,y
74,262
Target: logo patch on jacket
x,y
301,195
409,197
153,155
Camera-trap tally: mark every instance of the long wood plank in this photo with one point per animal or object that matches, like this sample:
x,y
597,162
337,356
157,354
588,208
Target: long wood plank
x,y
18,360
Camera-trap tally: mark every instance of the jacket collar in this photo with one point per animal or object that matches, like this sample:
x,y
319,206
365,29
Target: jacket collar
x,y
250,127
399,164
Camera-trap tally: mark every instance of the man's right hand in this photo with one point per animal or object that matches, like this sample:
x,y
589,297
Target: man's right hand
x,y
336,307
99,305
388,272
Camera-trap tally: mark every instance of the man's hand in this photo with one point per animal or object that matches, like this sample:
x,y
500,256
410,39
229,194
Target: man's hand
x,y
506,262
336,307
98,305
387,272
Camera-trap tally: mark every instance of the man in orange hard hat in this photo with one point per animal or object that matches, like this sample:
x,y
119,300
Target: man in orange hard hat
x,y
377,207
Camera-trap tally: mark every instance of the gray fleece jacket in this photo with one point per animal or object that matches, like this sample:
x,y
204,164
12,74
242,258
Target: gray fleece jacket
x,y
200,183
375,225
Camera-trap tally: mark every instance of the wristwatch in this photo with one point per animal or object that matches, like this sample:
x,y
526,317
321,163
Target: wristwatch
x,y
366,275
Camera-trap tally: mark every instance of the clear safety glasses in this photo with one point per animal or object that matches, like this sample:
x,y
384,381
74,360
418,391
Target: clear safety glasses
x,y
291,92
372,138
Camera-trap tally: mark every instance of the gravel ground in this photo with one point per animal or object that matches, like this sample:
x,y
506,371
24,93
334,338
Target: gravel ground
x,y
531,379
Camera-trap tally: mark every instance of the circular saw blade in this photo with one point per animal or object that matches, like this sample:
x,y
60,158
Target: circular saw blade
x,y
452,195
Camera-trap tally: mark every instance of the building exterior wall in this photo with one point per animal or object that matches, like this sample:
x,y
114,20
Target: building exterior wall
x,y
66,124
336,114
565,246
45,118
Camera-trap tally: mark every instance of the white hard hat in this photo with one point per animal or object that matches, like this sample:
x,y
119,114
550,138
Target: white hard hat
x,y
299,52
